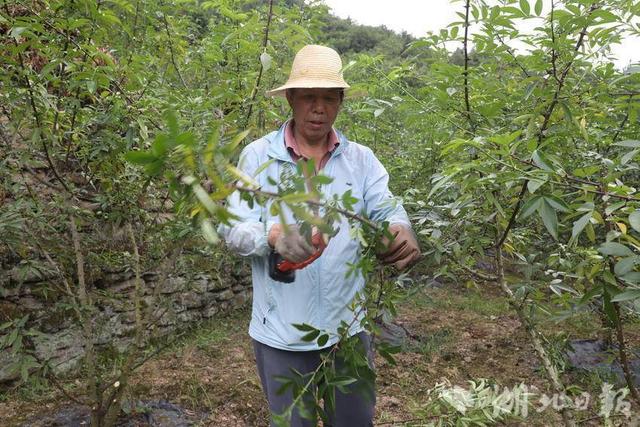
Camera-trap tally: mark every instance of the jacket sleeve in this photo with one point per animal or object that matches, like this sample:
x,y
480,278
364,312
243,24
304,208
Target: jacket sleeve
x,y
246,235
380,204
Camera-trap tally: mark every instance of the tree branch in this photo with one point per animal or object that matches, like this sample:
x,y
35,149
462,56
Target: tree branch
x,y
314,203
514,214
467,105
624,360
563,75
536,341
87,326
265,41
173,59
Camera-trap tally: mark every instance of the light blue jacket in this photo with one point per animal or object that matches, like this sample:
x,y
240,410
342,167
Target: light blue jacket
x,y
321,294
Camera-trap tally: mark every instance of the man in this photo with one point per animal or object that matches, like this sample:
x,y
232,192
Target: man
x,y
321,294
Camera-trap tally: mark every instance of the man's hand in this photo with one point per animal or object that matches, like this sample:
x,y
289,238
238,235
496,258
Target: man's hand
x,y
403,251
291,245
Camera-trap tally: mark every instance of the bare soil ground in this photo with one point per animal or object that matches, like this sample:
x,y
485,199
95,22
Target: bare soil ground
x,y
462,335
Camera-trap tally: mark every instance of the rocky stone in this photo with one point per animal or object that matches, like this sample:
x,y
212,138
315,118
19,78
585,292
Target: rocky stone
x,y
150,276
126,286
23,274
62,349
173,284
219,283
180,301
201,284
595,355
10,310
210,311
6,371
55,319
12,291
225,295
123,344
165,317
158,413
122,305
240,299
128,317
110,278
189,316
192,299
31,304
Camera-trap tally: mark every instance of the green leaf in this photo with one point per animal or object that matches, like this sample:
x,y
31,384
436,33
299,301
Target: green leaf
x,y
348,200
311,336
17,31
322,340
540,161
209,233
591,233
297,197
632,294
633,277
92,86
625,265
579,225
342,381
557,203
230,147
634,220
532,205
263,166
586,171
608,307
534,184
304,327
615,249
628,157
614,207
549,218
140,157
322,179
538,7
596,291
524,7
204,198
456,143
172,122
631,143
160,145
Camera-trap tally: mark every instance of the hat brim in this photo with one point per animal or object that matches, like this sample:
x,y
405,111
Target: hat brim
x,y
281,91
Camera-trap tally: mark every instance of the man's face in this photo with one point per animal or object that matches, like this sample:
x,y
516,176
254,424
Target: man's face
x,y
314,111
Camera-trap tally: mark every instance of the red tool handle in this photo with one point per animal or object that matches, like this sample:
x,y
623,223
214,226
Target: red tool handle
x,y
318,241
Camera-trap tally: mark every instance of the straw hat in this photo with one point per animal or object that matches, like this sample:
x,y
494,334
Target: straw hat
x,y
314,67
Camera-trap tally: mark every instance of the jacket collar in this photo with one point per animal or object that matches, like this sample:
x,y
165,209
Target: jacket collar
x,y
278,149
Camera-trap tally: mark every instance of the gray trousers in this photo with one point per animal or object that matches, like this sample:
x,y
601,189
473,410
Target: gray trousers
x,y
352,409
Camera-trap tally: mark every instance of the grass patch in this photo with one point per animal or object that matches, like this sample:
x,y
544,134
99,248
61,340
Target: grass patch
x,y
456,298
434,343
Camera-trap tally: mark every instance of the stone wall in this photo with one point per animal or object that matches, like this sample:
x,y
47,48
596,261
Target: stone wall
x,y
176,301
